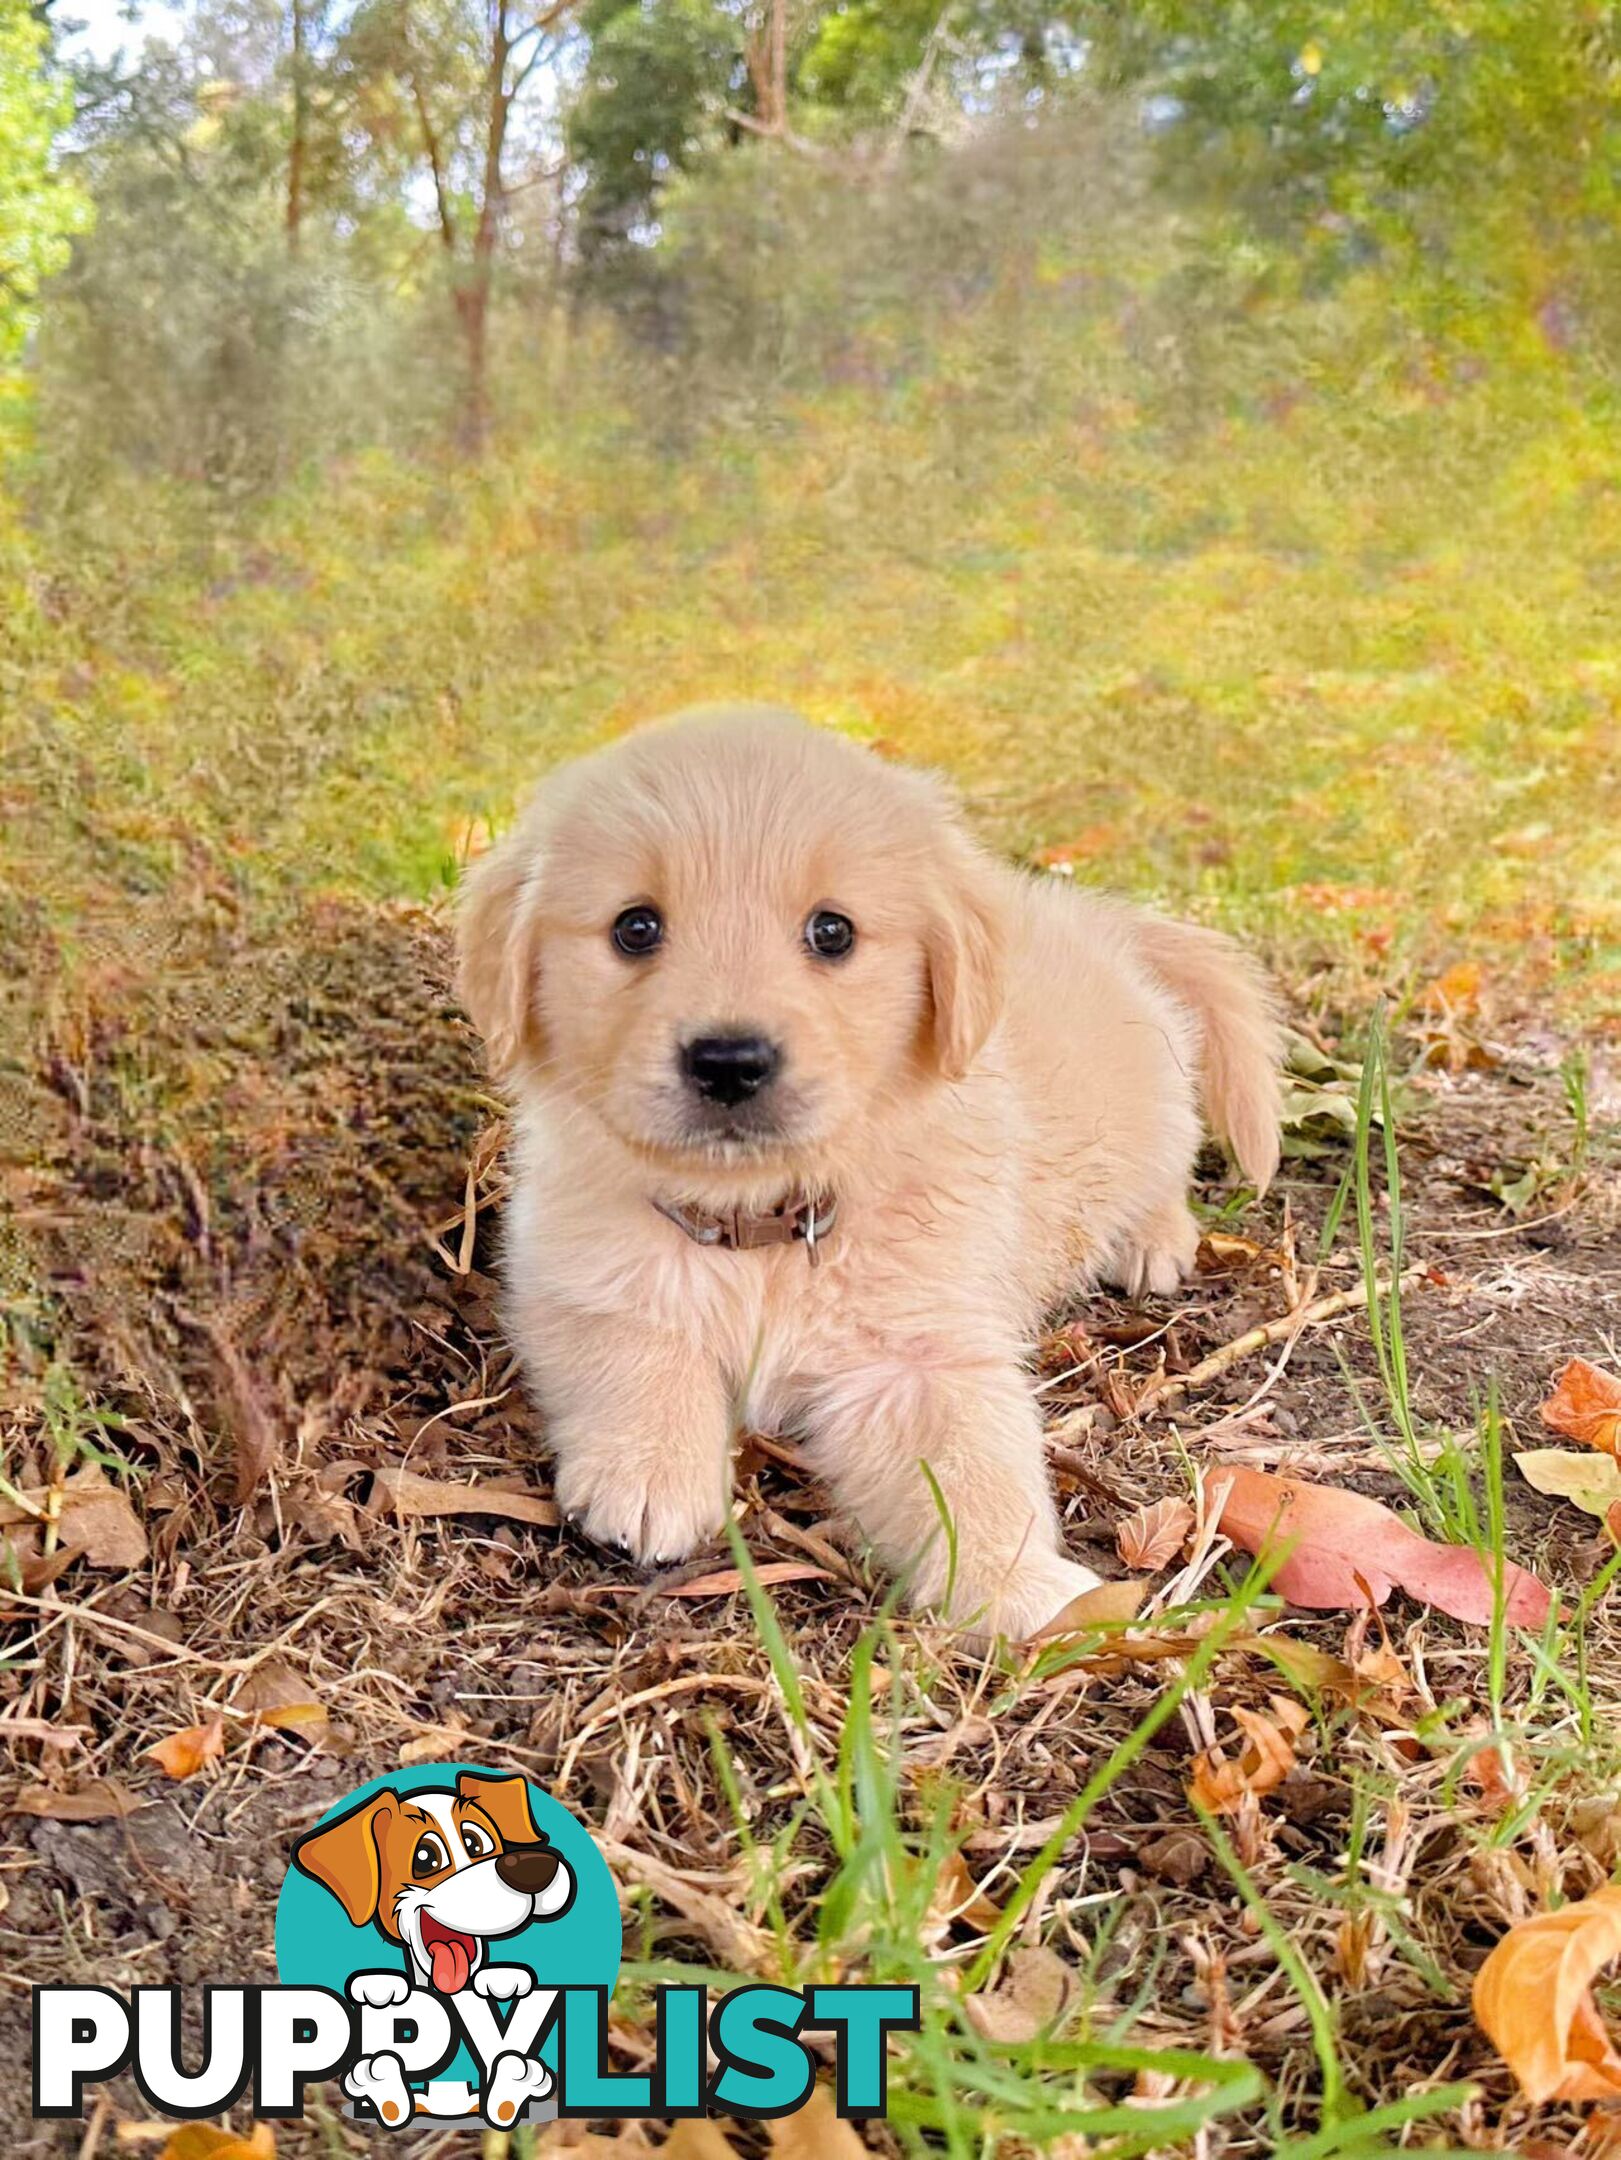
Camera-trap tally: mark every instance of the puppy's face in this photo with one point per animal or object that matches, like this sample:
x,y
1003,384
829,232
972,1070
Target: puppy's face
x,y
732,936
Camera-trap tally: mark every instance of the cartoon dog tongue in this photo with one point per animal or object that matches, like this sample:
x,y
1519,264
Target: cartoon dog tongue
x,y
450,1963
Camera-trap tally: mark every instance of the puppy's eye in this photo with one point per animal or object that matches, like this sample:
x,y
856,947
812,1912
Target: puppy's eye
x,y
829,935
638,930
476,1842
430,1856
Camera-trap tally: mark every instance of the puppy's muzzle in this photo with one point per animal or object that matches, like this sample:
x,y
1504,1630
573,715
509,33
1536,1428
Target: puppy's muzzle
x,y
730,1069
528,1869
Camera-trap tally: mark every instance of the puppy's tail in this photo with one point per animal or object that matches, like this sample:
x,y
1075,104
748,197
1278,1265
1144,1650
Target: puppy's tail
x,y
1240,1041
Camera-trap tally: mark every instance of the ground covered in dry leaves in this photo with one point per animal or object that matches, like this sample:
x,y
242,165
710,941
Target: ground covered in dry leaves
x,y
252,1187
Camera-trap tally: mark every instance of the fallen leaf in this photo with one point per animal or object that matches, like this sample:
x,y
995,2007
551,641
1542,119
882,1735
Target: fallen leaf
x,y
1586,1405
1458,990
36,1571
1591,1482
183,1754
201,2141
435,1743
1488,1773
274,1694
256,1441
103,1800
957,1897
1180,1857
815,2132
1304,1665
695,2140
94,1515
397,1491
1109,1602
324,1518
1379,1679
1342,1549
1221,1252
1087,846
1219,1784
627,2145
1533,1998
295,1717
1153,1534
1034,1992
725,1580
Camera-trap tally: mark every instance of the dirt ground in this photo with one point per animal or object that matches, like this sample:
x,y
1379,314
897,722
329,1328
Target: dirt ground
x,y
252,1194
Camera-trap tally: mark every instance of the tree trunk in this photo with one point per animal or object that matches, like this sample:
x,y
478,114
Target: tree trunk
x,y
779,65
473,296
473,316
298,148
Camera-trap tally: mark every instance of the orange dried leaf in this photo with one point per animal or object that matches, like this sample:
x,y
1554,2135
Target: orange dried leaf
x,y
1490,1772
102,1800
689,2140
1221,1252
1586,1405
1533,1998
815,2132
1220,1785
1340,1549
1455,991
183,1754
201,2141
1109,1602
1154,1534
727,1580
1086,846
957,1897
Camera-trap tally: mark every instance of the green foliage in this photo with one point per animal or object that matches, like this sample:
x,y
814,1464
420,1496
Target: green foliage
x,y
862,55
1280,616
39,209
652,100
1426,134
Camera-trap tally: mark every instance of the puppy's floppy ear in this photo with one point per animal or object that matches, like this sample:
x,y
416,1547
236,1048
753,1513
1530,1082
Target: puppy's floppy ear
x,y
344,1857
496,940
506,1802
964,946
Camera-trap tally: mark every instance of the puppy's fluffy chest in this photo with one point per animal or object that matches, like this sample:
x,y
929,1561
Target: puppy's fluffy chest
x,y
893,1272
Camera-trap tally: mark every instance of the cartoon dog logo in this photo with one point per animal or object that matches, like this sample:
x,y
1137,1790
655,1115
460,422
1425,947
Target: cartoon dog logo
x,y
442,1874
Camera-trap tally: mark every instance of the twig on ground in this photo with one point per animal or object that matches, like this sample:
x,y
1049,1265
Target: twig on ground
x,y
1171,1385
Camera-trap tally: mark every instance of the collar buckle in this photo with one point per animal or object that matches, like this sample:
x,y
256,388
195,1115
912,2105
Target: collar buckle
x,y
800,1217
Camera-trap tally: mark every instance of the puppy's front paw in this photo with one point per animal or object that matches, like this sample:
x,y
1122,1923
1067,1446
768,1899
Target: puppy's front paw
x,y
501,1982
657,1511
379,1990
1030,1599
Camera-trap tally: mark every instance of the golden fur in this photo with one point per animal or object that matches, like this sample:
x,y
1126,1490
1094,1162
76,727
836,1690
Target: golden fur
x,y
1001,1085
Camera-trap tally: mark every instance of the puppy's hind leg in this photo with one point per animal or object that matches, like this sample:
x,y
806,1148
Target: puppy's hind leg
x,y
942,1466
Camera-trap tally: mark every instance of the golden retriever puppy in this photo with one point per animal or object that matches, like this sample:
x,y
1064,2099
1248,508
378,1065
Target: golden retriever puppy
x,y
817,1109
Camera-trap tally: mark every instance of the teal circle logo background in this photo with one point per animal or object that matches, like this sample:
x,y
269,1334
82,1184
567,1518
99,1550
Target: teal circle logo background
x,y
318,1946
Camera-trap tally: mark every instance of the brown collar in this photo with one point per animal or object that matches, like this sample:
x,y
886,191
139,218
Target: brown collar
x,y
799,1216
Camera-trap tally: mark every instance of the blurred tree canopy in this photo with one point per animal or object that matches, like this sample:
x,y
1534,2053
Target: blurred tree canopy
x,y
39,208
321,219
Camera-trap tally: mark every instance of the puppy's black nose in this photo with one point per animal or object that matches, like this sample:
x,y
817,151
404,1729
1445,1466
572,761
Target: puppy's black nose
x,y
528,1868
730,1068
